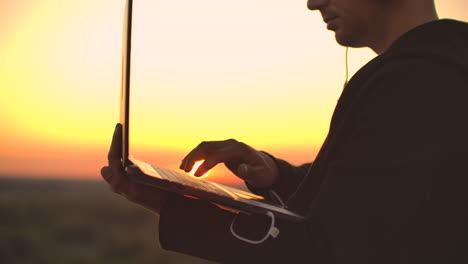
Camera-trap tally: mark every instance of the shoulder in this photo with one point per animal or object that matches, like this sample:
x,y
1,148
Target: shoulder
x,y
416,72
416,82
405,100
406,77
436,50
419,72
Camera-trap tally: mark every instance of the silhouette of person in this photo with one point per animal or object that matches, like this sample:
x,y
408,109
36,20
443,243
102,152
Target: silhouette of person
x,y
390,182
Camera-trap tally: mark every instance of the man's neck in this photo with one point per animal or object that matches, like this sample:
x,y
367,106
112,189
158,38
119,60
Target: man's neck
x,y
402,17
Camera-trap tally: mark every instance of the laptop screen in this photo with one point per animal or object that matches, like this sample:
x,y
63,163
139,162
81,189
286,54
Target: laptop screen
x,y
125,82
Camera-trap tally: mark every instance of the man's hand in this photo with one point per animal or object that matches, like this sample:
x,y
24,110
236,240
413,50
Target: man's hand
x,y
149,197
255,167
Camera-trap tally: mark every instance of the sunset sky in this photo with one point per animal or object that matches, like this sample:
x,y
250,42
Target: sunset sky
x,y
265,72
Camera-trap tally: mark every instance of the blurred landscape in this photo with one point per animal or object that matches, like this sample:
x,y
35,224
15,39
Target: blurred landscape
x,y
76,221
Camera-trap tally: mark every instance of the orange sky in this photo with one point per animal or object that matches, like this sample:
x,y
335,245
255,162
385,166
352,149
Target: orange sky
x,y
265,72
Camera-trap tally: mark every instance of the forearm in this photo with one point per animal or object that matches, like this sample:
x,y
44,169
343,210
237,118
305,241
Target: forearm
x,y
202,229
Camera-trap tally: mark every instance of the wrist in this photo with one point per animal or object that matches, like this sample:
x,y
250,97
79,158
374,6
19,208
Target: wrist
x,y
274,176
269,174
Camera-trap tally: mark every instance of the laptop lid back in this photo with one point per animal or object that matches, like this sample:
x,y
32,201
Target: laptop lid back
x,y
125,82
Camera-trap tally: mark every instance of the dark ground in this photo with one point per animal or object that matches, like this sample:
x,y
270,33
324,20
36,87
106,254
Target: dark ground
x,y
71,221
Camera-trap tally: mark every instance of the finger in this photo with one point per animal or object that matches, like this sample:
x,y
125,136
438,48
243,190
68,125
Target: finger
x,y
115,151
232,165
203,152
116,185
106,173
115,175
131,193
207,165
114,182
118,179
232,152
198,153
194,155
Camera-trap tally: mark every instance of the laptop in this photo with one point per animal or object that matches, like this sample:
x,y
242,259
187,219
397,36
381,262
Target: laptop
x,y
180,182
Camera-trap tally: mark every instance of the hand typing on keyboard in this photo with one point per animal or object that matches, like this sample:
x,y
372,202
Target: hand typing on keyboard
x,y
255,167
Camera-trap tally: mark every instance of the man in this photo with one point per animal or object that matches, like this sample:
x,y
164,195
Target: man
x,y
389,183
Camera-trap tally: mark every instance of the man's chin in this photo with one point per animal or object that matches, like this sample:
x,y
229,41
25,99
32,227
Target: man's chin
x,y
345,40
341,39
348,39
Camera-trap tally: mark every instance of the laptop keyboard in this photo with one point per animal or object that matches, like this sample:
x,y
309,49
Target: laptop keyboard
x,y
187,180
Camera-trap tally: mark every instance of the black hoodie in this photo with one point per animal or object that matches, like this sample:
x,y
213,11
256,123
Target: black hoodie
x,y
390,183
